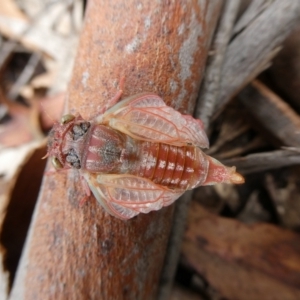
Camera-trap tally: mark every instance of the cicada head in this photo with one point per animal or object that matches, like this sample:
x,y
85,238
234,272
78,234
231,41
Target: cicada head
x,y
65,141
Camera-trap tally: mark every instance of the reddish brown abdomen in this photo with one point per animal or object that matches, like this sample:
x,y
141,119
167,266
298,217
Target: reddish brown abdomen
x,y
172,166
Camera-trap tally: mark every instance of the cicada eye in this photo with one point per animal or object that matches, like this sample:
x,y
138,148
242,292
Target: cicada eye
x,y
56,163
66,119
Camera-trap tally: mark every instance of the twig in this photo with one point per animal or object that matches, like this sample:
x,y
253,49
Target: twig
x,y
291,149
259,162
247,53
25,75
210,88
10,46
237,151
227,136
253,10
6,50
272,115
173,250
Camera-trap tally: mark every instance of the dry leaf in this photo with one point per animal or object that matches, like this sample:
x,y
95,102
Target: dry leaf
x,y
12,162
241,261
23,126
44,34
10,9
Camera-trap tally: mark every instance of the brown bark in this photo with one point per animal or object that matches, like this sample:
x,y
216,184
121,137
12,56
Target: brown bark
x,y
83,253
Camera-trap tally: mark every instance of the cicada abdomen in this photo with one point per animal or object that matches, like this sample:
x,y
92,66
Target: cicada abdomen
x,y
139,156
180,168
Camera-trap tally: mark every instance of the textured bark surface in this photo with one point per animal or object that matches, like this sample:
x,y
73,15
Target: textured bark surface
x,y
83,253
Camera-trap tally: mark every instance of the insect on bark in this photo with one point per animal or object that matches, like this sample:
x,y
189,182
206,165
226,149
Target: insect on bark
x,y
138,156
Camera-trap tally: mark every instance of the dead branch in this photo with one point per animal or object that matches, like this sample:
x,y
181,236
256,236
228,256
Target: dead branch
x,y
25,76
79,253
210,86
252,49
259,162
274,118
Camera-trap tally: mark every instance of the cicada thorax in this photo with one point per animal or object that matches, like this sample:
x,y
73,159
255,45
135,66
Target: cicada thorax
x,y
103,151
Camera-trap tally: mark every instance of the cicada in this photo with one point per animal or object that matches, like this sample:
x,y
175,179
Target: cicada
x,y
138,156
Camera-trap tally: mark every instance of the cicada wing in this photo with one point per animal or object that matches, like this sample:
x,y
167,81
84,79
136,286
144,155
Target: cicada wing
x,y
147,117
115,210
125,196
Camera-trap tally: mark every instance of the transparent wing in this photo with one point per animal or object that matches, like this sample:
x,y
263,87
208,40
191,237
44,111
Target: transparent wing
x,y
147,117
125,196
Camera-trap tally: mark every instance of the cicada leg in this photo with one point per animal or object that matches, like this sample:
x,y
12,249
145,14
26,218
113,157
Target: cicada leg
x,y
52,171
87,190
115,99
